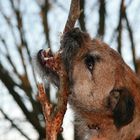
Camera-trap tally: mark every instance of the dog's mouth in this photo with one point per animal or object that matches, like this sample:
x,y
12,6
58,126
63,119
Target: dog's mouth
x,y
70,45
44,56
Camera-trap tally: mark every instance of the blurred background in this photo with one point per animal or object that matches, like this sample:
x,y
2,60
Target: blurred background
x,y
26,26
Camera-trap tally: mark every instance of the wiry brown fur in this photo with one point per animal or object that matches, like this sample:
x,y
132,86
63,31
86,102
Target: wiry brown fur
x,y
89,91
105,99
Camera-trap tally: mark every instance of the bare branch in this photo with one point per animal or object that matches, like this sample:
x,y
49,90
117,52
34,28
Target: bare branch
x,y
132,42
8,56
119,28
47,110
20,28
82,15
24,78
102,14
10,84
138,66
13,124
44,12
73,15
15,40
32,116
123,15
54,117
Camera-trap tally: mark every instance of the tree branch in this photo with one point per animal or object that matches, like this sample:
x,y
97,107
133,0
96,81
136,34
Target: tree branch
x,y
54,117
8,57
14,125
102,14
44,12
10,84
132,42
82,15
24,78
119,28
123,15
73,15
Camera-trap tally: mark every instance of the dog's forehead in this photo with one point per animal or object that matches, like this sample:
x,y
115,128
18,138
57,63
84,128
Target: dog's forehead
x,y
77,44
102,49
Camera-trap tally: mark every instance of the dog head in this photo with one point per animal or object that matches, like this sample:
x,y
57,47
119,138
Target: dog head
x,y
97,78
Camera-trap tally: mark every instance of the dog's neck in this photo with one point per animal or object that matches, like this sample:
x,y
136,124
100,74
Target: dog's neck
x,y
99,121
99,125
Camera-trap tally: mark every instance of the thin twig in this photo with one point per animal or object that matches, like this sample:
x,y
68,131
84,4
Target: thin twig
x,y
44,13
73,15
82,16
132,42
13,124
102,14
10,84
119,28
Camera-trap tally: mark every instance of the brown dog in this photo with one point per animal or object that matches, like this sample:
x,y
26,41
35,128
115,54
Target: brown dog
x,y
105,92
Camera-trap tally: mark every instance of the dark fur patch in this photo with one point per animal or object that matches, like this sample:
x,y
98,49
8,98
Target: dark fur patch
x,y
70,44
124,109
138,138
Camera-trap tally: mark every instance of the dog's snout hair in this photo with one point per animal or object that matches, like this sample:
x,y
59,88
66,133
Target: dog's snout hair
x,y
105,92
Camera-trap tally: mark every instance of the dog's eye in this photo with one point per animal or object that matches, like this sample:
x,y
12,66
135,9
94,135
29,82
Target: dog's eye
x,y
89,61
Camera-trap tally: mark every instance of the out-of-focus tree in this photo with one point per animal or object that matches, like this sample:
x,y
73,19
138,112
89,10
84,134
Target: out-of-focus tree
x,y
138,66
29,25
14,81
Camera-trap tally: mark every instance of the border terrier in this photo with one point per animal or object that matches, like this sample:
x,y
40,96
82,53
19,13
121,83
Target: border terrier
x,y
105,92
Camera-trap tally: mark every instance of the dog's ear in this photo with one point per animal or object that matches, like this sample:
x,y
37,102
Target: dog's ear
x,y
122,105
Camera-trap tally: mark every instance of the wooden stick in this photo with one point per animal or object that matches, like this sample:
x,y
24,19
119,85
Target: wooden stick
x,y
74,14
54,117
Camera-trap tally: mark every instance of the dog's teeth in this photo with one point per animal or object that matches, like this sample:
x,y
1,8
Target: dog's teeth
x,y
46,58
60,51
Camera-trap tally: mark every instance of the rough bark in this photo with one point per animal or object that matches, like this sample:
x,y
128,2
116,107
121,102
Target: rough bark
x,y
54,116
